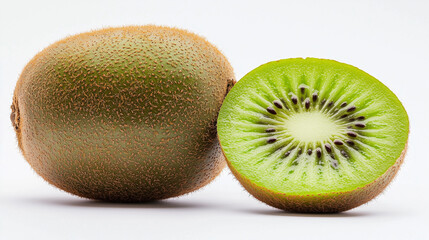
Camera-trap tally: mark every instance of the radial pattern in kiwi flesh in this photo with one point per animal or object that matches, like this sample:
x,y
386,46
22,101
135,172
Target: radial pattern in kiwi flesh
x,y
312,135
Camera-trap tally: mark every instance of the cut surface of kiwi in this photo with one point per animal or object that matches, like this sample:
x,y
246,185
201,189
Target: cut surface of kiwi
x,y
312,135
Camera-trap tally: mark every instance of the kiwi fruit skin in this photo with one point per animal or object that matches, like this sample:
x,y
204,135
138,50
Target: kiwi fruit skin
x,y
328,202
123,114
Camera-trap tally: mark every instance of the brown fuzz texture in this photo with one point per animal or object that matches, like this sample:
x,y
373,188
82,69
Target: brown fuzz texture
x,y
123,114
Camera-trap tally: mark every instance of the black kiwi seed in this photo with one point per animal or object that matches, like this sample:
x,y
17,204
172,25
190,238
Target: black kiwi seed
x,y
323,102
351,119
271,110
271,140
338,142
307,103
319,152
268,130
360,118
287,153
343,116
302,89
344,153
309,151
352,134
351,109
299,151
315,96
278,104
294,99
343,104
361,125
350,142
328,147
330,104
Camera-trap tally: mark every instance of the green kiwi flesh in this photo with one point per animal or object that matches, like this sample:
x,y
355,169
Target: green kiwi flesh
x,y
123,114
312,135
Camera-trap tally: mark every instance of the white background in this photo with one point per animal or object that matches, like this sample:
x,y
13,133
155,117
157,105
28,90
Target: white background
x,y
388,39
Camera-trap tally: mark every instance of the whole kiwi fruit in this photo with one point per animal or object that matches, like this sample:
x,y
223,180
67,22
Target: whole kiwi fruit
x,y
123,114
313,135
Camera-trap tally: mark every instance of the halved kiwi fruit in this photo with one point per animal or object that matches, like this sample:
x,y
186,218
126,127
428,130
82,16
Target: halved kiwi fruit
x,y
312,135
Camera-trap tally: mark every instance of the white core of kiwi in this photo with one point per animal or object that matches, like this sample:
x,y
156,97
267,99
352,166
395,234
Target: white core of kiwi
x,y
312,127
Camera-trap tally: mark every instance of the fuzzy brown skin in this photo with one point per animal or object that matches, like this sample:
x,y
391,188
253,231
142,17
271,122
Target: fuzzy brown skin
x,y
321,203
123,114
